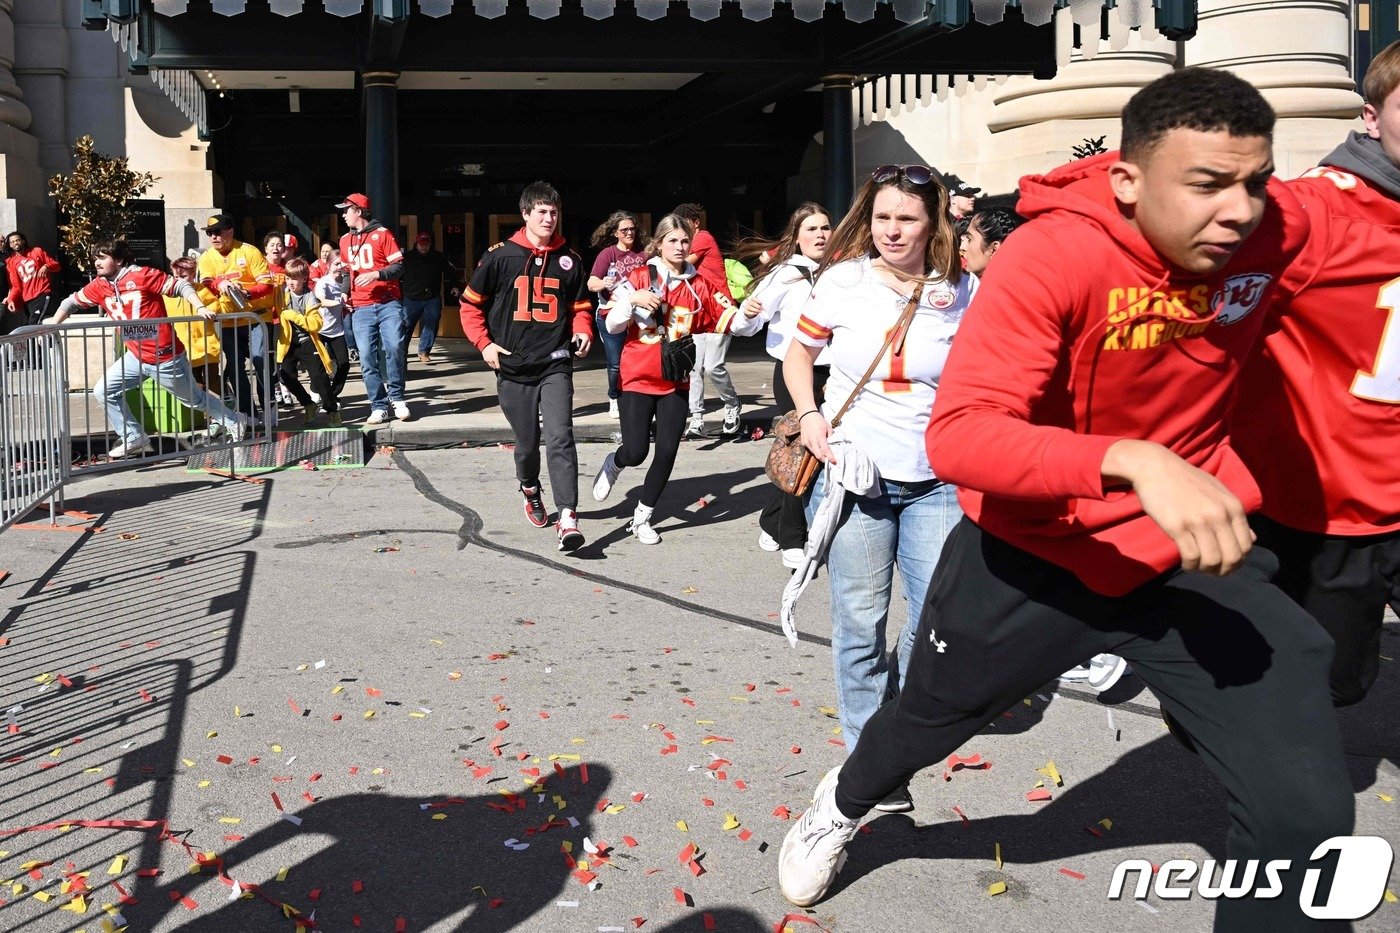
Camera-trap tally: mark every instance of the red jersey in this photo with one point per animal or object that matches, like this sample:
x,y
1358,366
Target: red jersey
x,y
694,309
1318,418
135,293
23,268
371,250
1086,336
709,263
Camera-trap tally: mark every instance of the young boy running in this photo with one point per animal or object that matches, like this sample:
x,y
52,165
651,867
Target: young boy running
x,y
1083,412
527,309
1318,419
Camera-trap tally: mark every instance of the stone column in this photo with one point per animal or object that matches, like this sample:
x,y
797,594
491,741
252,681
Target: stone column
x,y
838,151
23,189
382,145
1298,53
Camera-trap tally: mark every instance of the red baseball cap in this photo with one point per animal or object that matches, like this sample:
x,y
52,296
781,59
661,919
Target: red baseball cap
x,y
425,238
354,200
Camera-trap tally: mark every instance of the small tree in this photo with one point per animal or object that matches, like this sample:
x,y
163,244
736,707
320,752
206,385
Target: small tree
x,y
1090,147
93,200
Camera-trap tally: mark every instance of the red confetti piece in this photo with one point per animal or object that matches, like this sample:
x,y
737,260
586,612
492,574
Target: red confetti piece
x,y
148,872
584,877
146,695
637,922
373,692
401,925
502,725
631,843
315,894
745,835
189,903
841,743
681,897
307,797
543,714
293,704
276,801
315,777
709,921
1076,875
797,749
696,868
687,853
583,772
1038,795
782,812
335,717
750,687
962,816
707,801
741,785
687,701
233,837
638,797
224,759
495,902
1094,831
795,918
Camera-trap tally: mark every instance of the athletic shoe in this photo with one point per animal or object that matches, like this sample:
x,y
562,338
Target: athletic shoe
x,y
309,415
1105,670
607,475
898,801
241,428
696,428
378,416
354,356
815,848
731,419
613,412
401,411
1076,675
570,537
792,557
335,419
535,511
130,449
315,397
640,526
767,542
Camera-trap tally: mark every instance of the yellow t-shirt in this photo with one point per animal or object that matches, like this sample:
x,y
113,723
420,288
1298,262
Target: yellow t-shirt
x,y
245,261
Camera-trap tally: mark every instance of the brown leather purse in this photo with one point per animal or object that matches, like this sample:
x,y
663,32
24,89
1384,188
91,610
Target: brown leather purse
x,y
791,466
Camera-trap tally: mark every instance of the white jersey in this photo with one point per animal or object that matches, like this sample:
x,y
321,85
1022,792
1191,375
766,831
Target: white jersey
x,y
784,292
852,311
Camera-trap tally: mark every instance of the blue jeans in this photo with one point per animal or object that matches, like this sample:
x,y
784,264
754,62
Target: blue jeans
x,y
612,350
379,335
174,375
904,525
427,310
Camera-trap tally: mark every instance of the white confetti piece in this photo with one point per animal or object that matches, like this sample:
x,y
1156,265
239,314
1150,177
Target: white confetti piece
x,y
292,818
237,892
1147,907
320,664
573,821
589,846
566,903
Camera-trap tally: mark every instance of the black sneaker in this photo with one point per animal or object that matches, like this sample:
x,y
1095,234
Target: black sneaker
x,y
898,801
535,511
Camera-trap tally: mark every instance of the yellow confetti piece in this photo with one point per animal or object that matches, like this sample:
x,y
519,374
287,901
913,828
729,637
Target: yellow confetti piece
x,y
1053,773
615,809
16,889
203,784
583,864
212,734
338,688
418,715
376,771
43,897
827,710
302,667
996,887
231,820
730,822
77,905
1106,824
1027,701
439,642
704,722
577,741
439,816
998,845
1386,797
118,865
369,714
740,699
565,757
566,845
56,752
282,874
481,889
188,763
92,770
680,824
43,678
276,749
237,713
1390,897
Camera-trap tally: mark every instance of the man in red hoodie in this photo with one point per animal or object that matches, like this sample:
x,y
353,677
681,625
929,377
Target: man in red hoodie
x,y
1318,418
527,310
1083,413
31,272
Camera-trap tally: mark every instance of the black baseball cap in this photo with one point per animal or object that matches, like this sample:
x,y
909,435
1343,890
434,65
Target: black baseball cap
x,y
956,185
217,222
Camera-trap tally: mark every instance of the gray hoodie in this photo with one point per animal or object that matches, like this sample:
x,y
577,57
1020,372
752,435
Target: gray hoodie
x,y
1364,156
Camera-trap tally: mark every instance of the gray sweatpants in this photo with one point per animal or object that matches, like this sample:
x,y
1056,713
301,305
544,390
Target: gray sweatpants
x,y
523,404
709,358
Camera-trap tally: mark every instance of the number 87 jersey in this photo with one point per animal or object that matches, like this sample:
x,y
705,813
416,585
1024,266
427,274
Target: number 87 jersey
x,y
1318,415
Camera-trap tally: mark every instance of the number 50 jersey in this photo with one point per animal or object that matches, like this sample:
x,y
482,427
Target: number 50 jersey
x,y
1318,415
531,301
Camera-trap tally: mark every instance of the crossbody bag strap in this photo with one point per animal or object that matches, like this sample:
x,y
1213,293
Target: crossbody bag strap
x,y
904,321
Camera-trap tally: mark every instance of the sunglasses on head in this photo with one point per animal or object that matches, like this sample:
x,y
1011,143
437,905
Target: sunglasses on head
x,y
917,174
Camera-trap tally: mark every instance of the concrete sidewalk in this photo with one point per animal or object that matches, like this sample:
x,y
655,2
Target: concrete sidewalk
x,y
453,399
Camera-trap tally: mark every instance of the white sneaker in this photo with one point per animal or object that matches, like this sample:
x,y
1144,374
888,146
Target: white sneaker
x,y
378,416
767,542
731,419
613,413
1105,670
239,429
130,449
792,557
401,411
570,538
696,428
1076,675
640,526
314,397
607,475
815,847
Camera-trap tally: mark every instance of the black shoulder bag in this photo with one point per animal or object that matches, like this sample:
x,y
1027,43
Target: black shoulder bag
x,y
677,356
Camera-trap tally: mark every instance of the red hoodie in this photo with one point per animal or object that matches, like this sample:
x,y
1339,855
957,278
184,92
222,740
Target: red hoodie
x,y
1084,336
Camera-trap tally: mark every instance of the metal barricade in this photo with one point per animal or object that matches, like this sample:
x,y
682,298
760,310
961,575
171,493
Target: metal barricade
x,y
34,454
218,395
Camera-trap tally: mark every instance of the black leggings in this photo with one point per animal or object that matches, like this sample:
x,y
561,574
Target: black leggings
x,y
782,518
637,410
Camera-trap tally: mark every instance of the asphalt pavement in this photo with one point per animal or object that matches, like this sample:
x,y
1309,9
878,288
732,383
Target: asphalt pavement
x,y
378,697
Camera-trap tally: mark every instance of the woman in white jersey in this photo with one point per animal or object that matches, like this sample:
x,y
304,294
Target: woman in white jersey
x,y
781,287
896,248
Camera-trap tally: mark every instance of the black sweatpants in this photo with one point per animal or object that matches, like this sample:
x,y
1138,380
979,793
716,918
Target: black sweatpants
x,y
636,411
783,517
304,351
1232,659
340,355
525,405
1344,583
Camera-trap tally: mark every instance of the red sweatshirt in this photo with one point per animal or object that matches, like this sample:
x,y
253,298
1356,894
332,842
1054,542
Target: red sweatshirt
x,y
1082,336
23,268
